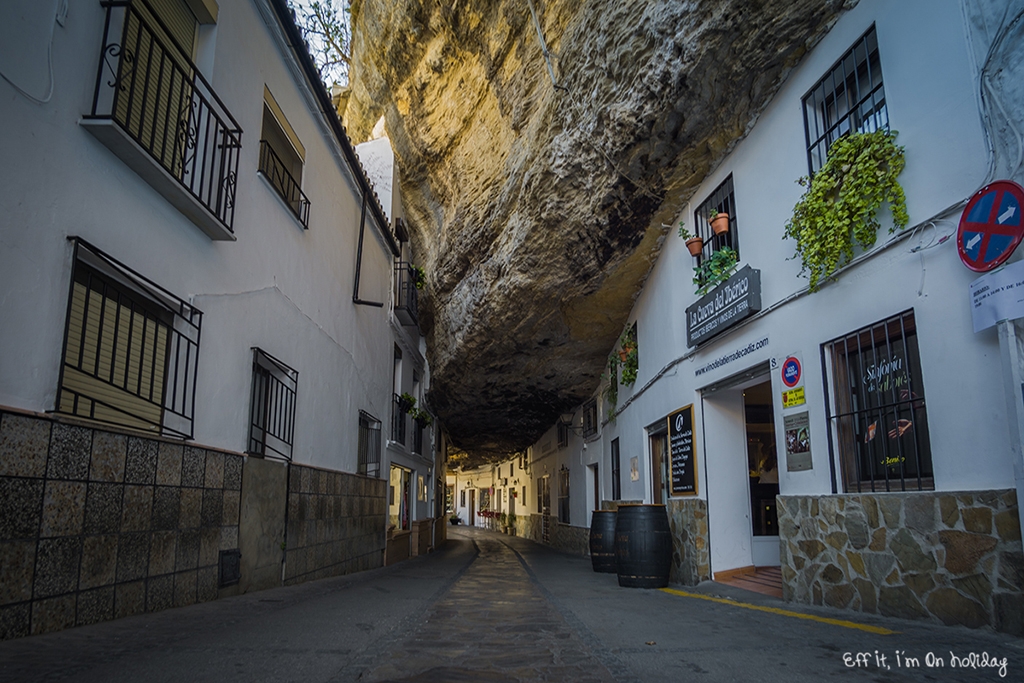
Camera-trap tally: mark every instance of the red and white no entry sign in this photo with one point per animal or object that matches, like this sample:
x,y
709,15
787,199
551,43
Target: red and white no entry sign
x,y
991,226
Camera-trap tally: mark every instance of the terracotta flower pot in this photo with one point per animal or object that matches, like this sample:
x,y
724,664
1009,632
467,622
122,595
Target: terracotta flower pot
x,y
695,245
720,223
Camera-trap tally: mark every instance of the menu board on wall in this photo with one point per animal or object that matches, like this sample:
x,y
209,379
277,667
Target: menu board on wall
x,y
681,449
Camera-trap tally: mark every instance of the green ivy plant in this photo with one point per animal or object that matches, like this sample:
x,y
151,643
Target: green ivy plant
x,y
715,270
629,366
838,208
419,276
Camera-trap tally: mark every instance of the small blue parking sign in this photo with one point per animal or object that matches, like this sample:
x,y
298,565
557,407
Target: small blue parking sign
x,y
991,226
791,372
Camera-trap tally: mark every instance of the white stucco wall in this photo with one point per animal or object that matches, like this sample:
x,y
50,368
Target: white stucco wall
x,y
279,287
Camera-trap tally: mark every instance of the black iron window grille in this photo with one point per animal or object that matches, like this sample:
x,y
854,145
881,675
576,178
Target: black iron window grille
x,y
563,495
406,306
849,98
590,418
616,469
282,181
131,349
399,418
272,416
147,84
369,445
722,200
563,435
880,422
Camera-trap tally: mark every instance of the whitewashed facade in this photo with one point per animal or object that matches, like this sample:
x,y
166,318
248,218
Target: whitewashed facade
x,y
931,56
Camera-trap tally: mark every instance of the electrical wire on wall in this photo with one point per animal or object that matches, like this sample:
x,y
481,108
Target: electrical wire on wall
x,y
59,14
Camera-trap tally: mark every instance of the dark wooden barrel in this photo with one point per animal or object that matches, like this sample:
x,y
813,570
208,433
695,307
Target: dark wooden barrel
x,y
643,546
602,541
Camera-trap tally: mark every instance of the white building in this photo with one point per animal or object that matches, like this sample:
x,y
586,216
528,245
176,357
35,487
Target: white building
x,y
898,403
194,266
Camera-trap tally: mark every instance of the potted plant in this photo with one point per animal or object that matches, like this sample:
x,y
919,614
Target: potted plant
x,y
422,417
419,276
719,221
694,244
715,270
503,522
512,523
406,402
455,520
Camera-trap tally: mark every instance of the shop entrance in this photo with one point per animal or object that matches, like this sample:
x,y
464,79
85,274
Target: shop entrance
x,y
763,466
657,435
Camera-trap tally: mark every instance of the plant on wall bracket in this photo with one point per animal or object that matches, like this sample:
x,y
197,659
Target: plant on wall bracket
x,y
629,355
419,276
714,270
612,392
838,208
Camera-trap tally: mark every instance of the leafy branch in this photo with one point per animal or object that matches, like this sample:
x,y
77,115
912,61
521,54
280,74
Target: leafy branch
x,y
838,209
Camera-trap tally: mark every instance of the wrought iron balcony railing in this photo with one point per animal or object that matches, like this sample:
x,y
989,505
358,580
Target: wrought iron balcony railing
x,y
405,294
399,418
147,85
274,169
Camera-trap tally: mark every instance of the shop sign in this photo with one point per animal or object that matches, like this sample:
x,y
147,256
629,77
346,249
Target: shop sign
x,y
791,372
998,296
990,226
681,452
798,441
734,300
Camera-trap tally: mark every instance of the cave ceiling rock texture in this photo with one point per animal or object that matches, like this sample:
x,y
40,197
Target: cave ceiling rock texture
x,y
539,209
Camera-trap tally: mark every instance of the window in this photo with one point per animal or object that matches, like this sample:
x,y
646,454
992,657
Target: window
x,y
272,413
369,445
849,98
462,498
721,200
563,435
398,497
130,349
563,495
590,418
616,467
880,422
281,158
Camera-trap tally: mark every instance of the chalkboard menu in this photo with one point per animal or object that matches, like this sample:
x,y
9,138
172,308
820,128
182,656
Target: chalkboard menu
x,y
682,456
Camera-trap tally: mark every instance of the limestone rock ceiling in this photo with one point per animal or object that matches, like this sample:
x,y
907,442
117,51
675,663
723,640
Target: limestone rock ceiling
x,y
537,210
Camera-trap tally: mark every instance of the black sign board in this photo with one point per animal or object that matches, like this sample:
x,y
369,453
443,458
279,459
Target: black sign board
x,y
682,454
734,300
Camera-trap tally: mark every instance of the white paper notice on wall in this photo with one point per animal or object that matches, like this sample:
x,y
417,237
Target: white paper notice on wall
x,y
998,295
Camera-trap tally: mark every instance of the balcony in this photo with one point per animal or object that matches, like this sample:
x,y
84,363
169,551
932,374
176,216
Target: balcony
x,y
155,111
274,170
399,419
405,294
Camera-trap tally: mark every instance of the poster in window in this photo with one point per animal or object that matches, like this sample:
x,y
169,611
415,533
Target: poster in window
x,y
681,452
798,442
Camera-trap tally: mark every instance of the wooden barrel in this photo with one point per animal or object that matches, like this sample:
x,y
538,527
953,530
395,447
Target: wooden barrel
x,y
643,546
602,541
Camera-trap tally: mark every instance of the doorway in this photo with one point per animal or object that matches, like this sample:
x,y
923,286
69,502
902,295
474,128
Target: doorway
x,y
472,507
763,466
657,435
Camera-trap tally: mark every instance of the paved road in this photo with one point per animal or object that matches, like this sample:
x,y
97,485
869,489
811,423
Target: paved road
x,y
491,608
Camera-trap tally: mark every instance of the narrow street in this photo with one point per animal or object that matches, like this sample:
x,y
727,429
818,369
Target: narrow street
x,y
489,607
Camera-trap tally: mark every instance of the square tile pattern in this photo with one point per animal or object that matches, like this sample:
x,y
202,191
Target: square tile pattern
x,y
96,525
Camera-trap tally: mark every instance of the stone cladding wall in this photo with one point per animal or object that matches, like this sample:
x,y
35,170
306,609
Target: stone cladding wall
x,y
950,556
337,523
96,524
688,520
569,539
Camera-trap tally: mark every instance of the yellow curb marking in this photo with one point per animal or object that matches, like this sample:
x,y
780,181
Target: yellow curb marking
x,y
784,612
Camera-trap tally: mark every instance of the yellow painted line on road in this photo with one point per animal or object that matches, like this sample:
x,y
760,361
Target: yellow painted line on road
x,y
783,612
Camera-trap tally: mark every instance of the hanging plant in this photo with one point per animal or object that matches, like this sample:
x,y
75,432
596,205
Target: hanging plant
x,y
419,276
612,392
422,417
838,209
629,355
406,402
715,270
